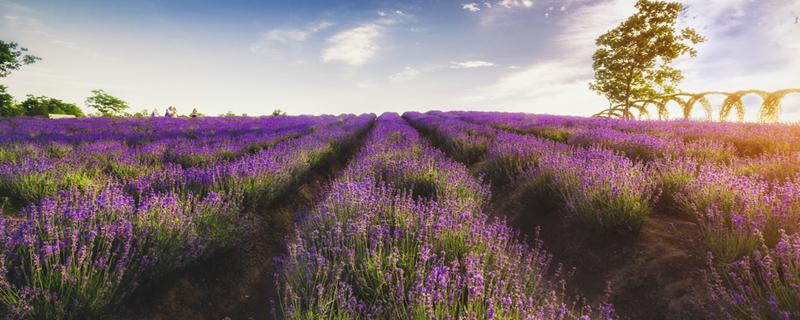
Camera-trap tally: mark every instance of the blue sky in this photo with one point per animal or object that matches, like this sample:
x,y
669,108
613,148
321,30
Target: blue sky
x,y
372,56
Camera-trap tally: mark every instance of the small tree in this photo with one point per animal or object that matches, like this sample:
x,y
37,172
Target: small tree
x,y
8,107
633,61
43,106
12,57
106,104
140,114
228,114
278,112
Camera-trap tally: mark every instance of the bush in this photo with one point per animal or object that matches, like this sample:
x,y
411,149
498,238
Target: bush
x,y
43,106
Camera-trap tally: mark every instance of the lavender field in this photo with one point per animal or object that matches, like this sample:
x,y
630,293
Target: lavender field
x,y
437,215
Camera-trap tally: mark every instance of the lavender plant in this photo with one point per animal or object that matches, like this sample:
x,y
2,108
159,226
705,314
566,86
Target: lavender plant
x,y
370,249
77,251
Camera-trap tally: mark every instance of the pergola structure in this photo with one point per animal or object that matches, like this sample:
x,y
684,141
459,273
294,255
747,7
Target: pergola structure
x,y
768,112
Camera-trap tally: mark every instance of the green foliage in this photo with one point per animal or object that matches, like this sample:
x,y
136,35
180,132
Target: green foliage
x,y
8,107
43,106
141,114
12,57
106,104
633,61
278,112
228,114
36,186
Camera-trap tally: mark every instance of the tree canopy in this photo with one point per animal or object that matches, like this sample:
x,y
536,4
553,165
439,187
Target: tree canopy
x,y
43,106
106,104
8,107
12,57
633,61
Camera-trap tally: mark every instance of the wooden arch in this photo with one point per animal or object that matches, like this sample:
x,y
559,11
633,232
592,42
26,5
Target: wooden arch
x,y
768,112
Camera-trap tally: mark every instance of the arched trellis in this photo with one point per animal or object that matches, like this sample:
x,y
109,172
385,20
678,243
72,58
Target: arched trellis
x,y
768,112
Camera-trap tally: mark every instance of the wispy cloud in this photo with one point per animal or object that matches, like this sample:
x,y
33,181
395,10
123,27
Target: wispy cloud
x,y
561,81
355,46
10,6
273,42
503,11
470,64
749,43
359,45
516,3
542,78
407,74
471,7
22,20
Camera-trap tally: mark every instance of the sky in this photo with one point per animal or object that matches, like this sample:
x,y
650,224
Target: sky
x,y
315,57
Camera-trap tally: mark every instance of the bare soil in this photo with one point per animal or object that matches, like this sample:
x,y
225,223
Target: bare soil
x,y
656,273
238,283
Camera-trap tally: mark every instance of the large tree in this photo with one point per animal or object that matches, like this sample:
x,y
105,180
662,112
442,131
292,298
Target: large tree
x,y
106,104
634,60
43,106
12,57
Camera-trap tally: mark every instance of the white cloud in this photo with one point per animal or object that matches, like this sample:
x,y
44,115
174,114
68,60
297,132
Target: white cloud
x,y
407,74
365,84
583,25
273,42
749,45
391,18
561,83
471,7
516,3
15,7
286,35
355,46
359,45
505,11
549,87
470,64
546,77
322,25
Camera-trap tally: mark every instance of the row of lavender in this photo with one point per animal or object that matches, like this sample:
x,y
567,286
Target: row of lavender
x,y
31,169
766,150
600,189
750,219
77,249
401,234
745,139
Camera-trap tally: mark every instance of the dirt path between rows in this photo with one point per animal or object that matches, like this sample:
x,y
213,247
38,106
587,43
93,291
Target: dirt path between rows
x,y
656,274
239,283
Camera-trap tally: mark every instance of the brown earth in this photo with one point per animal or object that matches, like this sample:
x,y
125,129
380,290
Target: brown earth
x,y
239,283
654,274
